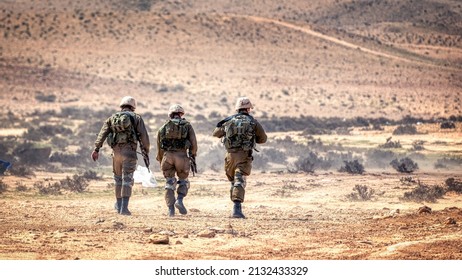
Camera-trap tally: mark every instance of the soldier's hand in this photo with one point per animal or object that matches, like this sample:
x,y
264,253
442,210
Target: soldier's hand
x,y
95,155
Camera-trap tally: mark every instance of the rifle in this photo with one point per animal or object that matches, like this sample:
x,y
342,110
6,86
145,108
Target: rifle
x,y
192,159
143,152
145,156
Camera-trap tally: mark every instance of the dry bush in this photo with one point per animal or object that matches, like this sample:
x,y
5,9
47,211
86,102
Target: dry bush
x,y
447,125
417,145
76,183
404,165
308,163
288,188
407,180
424,193
379,158
454,185
405,129
352,167
448,162
391,144
362,193
3,186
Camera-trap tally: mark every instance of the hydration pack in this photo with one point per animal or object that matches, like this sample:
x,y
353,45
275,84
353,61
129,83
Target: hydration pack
x,y
122,125
239,132
173,135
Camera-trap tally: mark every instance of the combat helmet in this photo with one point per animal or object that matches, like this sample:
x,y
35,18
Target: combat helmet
x,y
175,109
128,101
243,103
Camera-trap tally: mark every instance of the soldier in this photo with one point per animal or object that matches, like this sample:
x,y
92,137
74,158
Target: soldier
x,y
123,130
240,132
176,144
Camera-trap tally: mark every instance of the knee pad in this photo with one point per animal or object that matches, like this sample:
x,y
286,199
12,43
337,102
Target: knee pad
x,y
183,187
170,184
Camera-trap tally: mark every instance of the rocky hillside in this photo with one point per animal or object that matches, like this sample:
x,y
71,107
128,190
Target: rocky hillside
x,y
386,58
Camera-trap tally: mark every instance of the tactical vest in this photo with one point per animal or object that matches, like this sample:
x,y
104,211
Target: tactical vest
x,y
239,132
122,125
173,135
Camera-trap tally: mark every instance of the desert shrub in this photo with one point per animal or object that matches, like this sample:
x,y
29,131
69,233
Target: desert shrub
x,y
391,144
335,159
32,154
91,175
3,186
77,183
418,145
447,125
275,155
405,129
48,188
21,171
361,192
424,193
214,155
352,167
308,163
404,165
454,185
407,180
21,187
448,161
45,132
40,96
379,158
260,161
288,188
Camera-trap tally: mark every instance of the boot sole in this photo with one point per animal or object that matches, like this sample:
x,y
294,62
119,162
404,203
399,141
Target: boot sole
x,y
181,209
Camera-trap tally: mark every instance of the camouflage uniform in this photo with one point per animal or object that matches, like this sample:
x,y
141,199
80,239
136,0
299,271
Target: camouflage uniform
x,y
238,162
124,156
174,161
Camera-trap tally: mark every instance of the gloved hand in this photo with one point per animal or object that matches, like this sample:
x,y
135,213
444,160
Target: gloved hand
x,y
95,155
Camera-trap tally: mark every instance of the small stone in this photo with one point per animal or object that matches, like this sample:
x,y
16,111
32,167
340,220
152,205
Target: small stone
x,y
450,221
206,234
424,209
159,239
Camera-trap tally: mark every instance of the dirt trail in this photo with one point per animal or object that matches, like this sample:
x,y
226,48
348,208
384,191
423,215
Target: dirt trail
x,y
319,35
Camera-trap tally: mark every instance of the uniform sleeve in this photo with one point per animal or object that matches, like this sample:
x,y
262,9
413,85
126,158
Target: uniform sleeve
x,y
143,134
192,139
218,132
260,134
102,135
160,152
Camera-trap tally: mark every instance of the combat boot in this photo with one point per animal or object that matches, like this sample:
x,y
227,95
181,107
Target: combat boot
x,y
124,207
237,210
118,204
179,205
171,211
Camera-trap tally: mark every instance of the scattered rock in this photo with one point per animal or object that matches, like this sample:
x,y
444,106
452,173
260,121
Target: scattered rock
x,y
178,242
424,209
159,239
194,210
118,225
450,221
207,233
149,229
100,220
167,232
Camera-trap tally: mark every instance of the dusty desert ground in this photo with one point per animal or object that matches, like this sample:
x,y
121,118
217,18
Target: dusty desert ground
x,y
348,64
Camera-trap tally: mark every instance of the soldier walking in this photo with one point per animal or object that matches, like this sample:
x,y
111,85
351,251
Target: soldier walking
x,y
176,148
239,134
122,131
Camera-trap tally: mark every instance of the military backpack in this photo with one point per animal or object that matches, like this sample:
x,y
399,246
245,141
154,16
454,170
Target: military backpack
x,y
173,135
122,125
239,132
